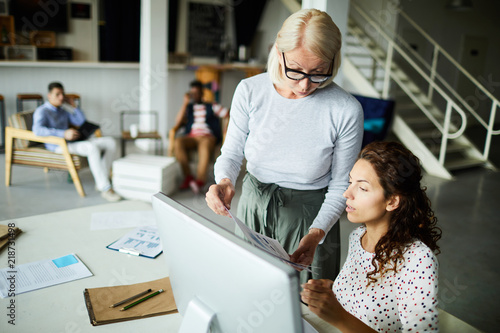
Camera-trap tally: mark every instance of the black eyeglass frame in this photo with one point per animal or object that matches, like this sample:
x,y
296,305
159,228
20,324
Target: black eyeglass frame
x,y
304,75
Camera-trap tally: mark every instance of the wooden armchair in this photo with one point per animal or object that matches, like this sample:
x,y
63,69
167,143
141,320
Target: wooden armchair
x,y
76,98
23,147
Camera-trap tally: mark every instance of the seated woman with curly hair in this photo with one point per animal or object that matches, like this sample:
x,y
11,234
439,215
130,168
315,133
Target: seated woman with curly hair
x,y
389,281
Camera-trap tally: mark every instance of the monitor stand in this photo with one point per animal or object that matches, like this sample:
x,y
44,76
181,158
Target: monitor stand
x,y
197,318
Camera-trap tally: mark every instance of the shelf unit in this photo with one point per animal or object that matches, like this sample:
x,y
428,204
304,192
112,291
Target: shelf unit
x,y
7,31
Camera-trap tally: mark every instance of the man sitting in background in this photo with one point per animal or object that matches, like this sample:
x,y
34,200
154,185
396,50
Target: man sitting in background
x,y
51,119
202,132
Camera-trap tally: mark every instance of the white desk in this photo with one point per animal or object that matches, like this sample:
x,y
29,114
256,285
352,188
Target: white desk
x,y
61,308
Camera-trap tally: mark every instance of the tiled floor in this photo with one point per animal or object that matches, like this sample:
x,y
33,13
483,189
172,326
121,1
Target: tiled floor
x,y
467,209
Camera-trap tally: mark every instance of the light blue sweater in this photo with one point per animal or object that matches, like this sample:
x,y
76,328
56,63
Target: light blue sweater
x,y
305,144
49,120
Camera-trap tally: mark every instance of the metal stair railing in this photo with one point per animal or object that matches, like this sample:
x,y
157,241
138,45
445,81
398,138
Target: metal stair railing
x,y
451,105
385,91
451,101
437,51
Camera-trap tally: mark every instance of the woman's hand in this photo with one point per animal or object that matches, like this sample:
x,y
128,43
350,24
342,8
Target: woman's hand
x,y
304,254
321,300
219,197
319,296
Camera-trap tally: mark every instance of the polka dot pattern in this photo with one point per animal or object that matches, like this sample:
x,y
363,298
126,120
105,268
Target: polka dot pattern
x,y
405,301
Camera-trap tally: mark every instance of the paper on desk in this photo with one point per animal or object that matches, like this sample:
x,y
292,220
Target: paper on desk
x,y
41,274
265,243
144,241
121,219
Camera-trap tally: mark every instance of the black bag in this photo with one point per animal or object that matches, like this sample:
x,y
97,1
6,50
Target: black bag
x,y
86,130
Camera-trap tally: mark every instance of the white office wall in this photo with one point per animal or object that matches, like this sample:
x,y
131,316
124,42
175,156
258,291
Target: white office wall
x,y
83,35
275,13
105,90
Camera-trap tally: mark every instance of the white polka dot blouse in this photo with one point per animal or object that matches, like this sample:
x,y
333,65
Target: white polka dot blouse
x,y
405,301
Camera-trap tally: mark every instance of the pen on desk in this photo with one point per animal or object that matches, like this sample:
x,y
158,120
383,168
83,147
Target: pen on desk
x,y
130,251
130,298
141,300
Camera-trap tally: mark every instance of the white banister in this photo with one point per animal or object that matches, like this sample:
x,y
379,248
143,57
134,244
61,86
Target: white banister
x,y
387,74
493,112
444,90
444,141
433,71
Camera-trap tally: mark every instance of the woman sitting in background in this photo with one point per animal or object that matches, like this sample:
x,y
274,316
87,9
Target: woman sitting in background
x,y
389,281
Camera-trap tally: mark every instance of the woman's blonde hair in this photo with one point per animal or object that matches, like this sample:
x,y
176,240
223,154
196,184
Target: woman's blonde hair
x,y
313,30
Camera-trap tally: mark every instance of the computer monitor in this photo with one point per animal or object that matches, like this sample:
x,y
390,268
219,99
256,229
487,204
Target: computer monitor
x,y
220,282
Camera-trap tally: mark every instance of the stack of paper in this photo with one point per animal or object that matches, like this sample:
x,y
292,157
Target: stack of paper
x,y
122,219
42,274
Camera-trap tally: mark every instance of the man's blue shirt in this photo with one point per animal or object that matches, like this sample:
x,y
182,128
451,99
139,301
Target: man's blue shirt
x,y
49,120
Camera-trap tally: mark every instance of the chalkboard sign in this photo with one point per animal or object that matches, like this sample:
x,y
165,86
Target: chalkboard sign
x,y
206,29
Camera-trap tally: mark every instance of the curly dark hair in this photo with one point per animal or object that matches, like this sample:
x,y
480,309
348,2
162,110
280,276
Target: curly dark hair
x,y
399,173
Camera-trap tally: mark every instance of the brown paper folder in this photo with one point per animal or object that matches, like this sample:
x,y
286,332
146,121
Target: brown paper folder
x,y
98,301
5,237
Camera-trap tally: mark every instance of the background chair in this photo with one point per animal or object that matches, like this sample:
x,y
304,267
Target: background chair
x,y
193,153
21,98
209,76
76,98
378,114
178,131
23,147
2,123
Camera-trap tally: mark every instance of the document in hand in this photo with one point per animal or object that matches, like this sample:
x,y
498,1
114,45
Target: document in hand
x,y
42,274
270,245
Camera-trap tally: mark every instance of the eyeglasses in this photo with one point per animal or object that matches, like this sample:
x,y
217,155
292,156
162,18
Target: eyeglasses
x,y
293,74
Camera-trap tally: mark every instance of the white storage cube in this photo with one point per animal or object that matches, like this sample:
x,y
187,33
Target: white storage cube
x,y
140,176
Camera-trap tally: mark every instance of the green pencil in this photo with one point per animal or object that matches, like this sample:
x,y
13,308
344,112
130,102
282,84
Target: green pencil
x,y
141,300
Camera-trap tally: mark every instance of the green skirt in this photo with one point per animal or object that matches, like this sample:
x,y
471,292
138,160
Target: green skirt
x,y
286,215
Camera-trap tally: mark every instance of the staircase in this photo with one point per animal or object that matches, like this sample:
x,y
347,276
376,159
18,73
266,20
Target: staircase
x,y
430,117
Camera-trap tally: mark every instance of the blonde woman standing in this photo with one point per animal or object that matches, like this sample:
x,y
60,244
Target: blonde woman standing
x,y
300,134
